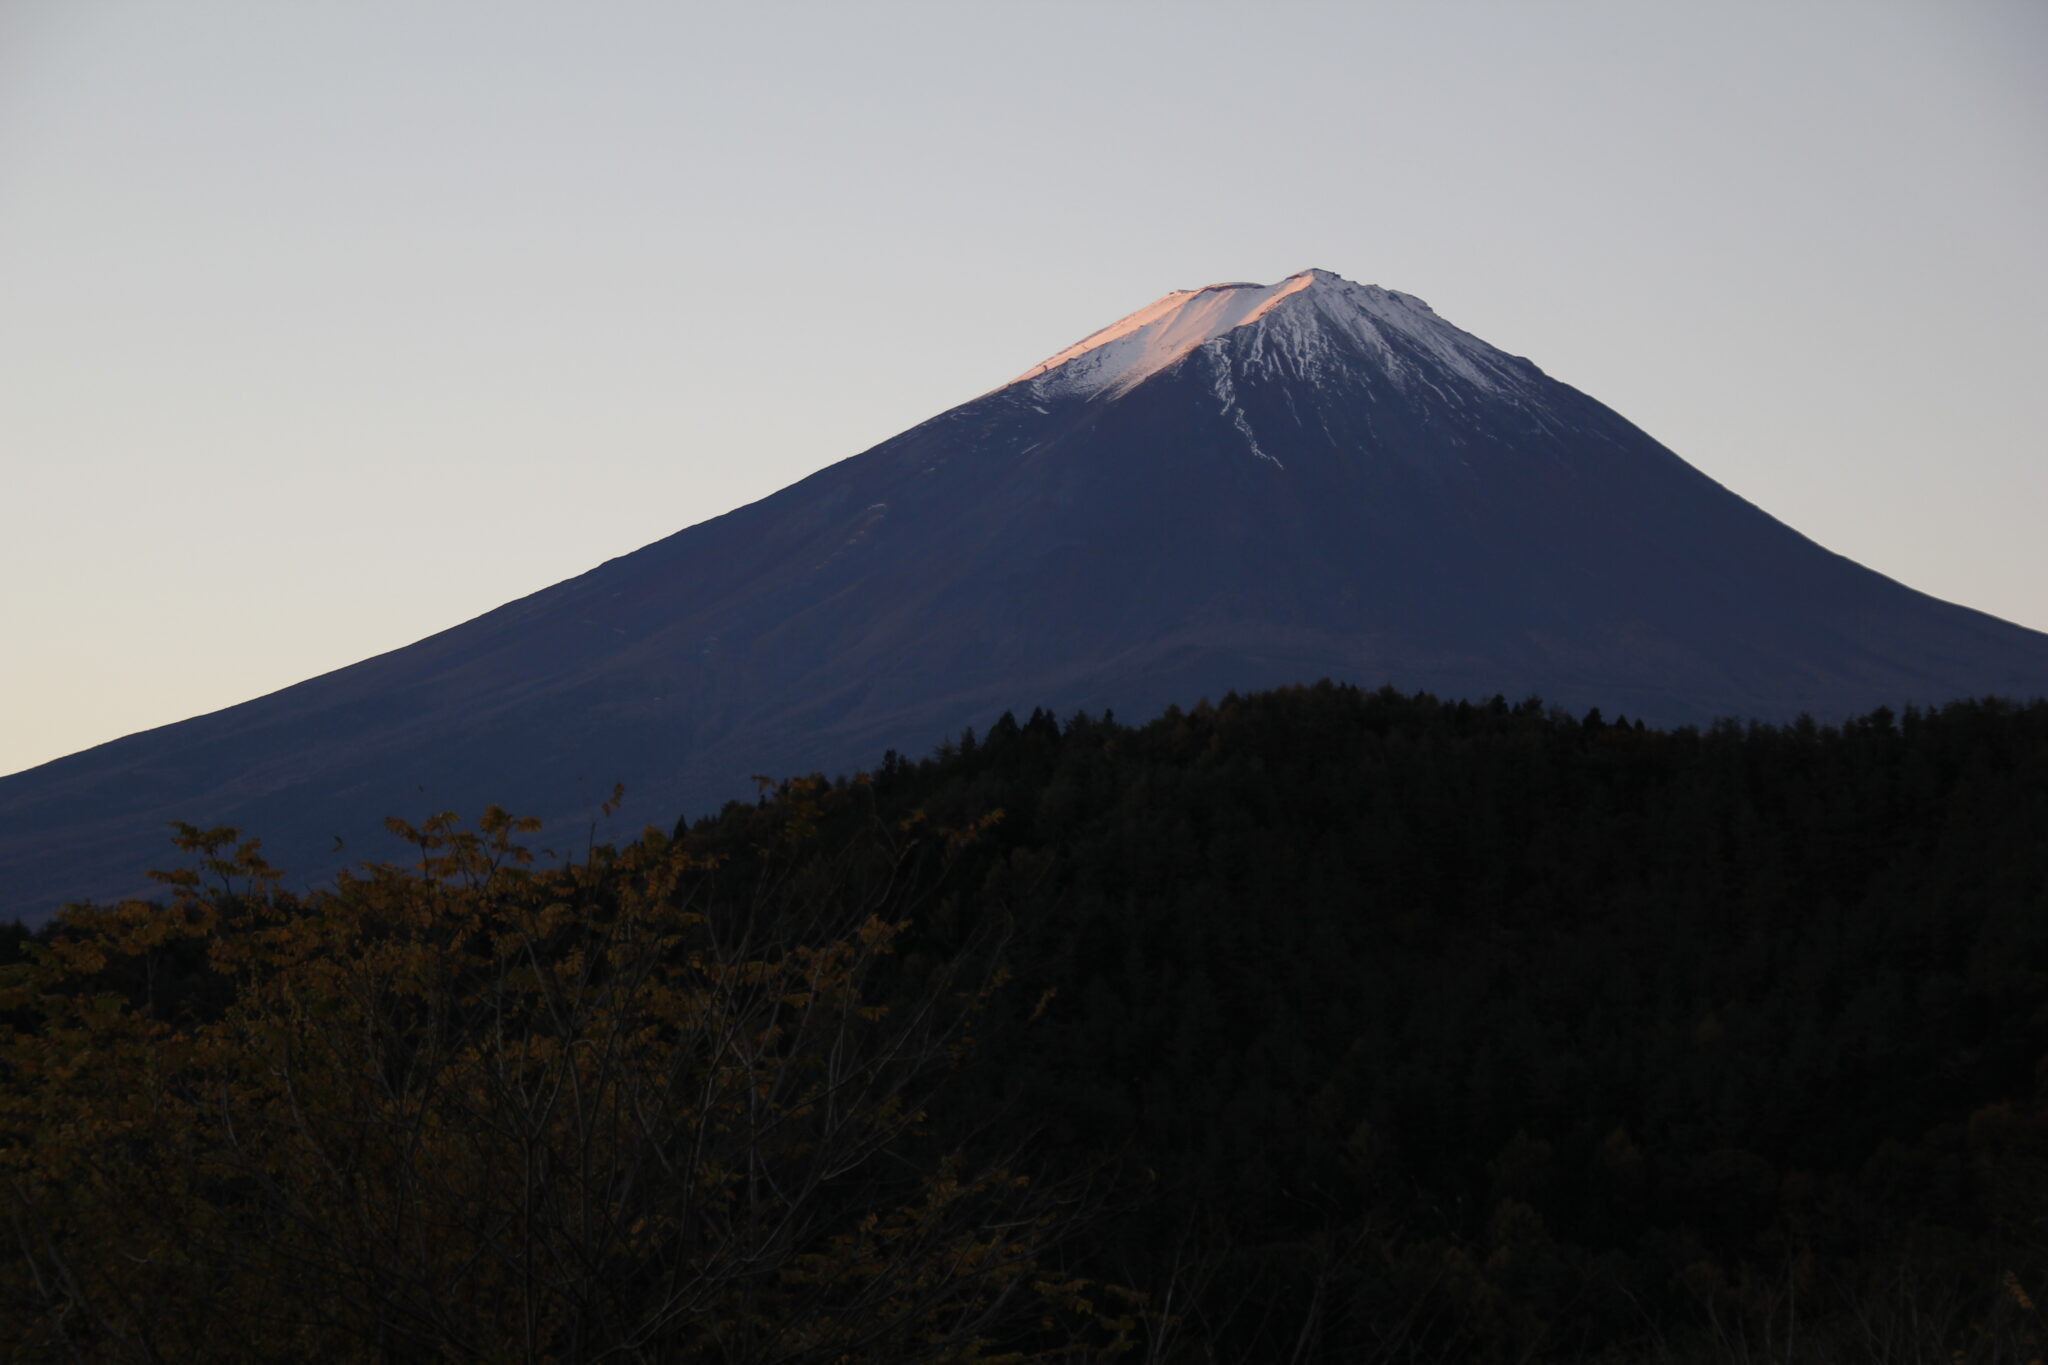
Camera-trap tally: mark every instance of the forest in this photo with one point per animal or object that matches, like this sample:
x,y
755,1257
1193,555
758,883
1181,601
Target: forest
x,y
1312,1025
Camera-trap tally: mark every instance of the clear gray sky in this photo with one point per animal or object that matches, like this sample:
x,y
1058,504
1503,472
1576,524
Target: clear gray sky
x,y
327,324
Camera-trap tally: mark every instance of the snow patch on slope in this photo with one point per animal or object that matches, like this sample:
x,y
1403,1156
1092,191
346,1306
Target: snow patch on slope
x,y
1226,394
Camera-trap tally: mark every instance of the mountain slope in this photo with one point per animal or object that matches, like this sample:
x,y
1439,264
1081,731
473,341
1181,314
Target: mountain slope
x,y
1235,487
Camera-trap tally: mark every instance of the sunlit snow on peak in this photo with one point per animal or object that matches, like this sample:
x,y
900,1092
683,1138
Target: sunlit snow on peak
x,y
1304,310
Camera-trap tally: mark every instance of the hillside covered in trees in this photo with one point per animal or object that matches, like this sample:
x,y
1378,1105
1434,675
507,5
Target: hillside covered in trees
x,y
1309,1025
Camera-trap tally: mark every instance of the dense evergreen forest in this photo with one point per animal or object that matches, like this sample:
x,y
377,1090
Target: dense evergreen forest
x,y
1315,1025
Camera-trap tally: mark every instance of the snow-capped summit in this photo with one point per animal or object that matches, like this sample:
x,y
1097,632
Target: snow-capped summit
x,y
1307,322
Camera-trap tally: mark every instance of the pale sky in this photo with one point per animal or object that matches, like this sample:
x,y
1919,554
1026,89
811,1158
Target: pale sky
x,y
327,325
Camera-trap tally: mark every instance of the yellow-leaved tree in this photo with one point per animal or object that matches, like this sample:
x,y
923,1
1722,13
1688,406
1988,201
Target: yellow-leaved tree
x,y
478,1109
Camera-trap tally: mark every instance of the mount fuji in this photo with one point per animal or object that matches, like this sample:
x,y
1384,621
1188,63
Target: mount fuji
x,y
1232,488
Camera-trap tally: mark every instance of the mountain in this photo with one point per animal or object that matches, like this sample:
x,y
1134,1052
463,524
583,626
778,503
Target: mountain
x,y
1234,487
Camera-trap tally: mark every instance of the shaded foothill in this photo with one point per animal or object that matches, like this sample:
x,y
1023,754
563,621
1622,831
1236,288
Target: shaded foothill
x,y
1471,1031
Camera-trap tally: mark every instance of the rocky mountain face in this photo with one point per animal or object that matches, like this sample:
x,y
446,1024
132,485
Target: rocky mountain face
x,y
1233,488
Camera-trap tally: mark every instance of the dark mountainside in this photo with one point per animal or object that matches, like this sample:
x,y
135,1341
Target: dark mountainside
x,y
1237,487
1460,1032
1339,1026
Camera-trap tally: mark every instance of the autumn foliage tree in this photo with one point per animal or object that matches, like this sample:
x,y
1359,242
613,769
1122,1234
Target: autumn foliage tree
x,y
479,1109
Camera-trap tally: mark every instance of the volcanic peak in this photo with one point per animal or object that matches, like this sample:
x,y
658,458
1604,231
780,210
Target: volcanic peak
x,y
1296,319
